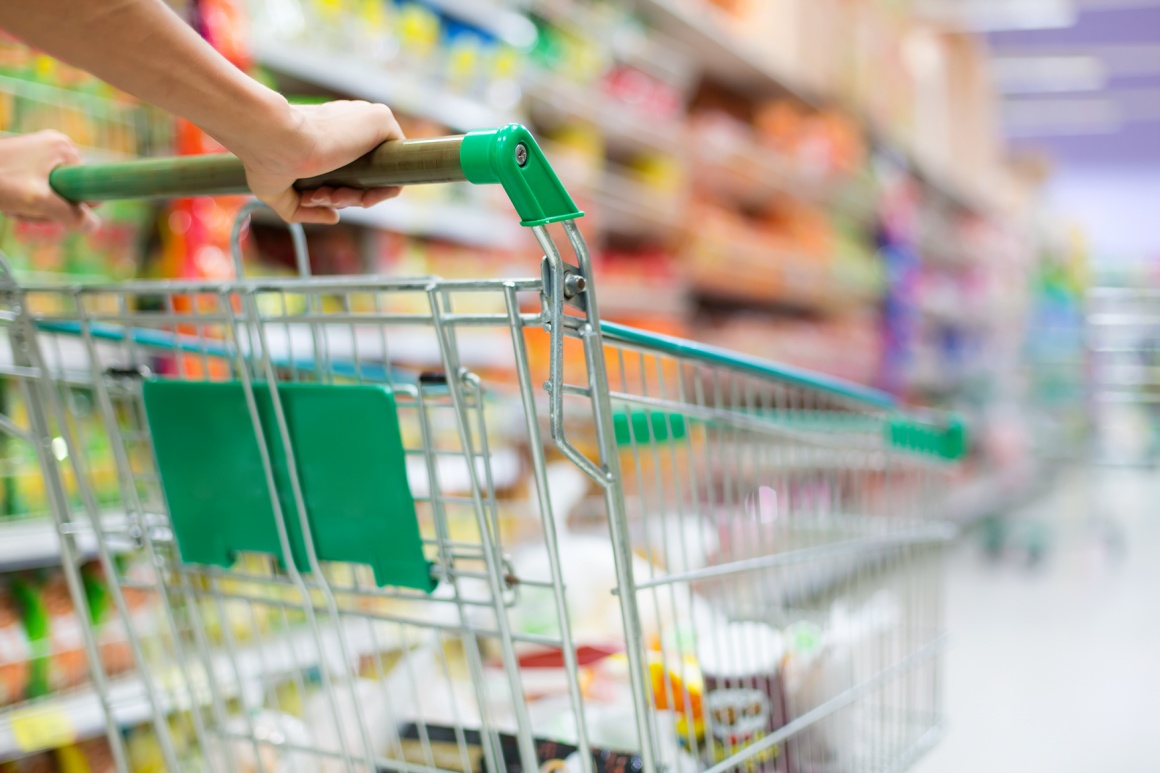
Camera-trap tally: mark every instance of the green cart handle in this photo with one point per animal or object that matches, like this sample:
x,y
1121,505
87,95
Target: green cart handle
x,y
507,156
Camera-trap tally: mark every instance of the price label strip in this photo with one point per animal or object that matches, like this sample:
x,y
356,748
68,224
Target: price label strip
x,y
40,728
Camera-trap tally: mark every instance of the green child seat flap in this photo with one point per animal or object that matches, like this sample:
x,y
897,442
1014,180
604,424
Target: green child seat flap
x,y
348,454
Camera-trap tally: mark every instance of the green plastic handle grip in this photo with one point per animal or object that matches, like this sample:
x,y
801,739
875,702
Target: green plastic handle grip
x,y
507,156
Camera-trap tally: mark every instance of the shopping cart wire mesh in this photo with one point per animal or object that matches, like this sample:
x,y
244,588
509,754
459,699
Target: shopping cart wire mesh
x,y
559,544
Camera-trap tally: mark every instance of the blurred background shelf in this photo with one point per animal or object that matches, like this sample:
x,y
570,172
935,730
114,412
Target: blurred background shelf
x,y
461,223
53,721
357,77
32,543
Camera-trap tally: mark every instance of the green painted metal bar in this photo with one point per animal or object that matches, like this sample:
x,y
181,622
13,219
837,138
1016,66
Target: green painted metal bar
x,y
409,162
508,156
711,355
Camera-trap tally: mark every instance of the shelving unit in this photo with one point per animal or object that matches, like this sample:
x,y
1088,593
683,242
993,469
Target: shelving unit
x,y
52,721
460,223
359,78
552,97
33,543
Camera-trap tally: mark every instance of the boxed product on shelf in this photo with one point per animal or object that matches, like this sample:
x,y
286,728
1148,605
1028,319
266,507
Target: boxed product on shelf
x,y
38,92
15,650
645,287
55,633
24,490
45,762
42,636
411,41
94,755
848,346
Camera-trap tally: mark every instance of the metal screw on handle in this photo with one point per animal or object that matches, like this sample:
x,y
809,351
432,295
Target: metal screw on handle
x,y
522,154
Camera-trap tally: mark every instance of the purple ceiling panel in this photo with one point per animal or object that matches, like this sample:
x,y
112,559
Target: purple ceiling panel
x,y
1132,37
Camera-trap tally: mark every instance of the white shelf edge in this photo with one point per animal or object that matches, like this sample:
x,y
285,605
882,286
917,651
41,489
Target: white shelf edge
x,y
129,698
461,223
506,23
29,543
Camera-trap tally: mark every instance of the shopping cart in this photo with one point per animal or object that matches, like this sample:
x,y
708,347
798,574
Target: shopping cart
x,y
346,543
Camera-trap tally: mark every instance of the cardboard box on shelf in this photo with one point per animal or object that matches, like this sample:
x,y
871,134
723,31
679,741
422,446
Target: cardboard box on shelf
x,y
975,143
884,84
956,133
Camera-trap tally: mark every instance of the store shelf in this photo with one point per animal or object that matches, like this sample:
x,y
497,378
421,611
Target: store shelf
x,y
635,300
741,169
746,66
944,250
703,30
630,44
359,78
34,542
345,344
631,208
554,97
508,25
743,272
460,223
78,715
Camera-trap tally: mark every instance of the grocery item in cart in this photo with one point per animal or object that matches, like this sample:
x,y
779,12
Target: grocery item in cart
x,y
744,694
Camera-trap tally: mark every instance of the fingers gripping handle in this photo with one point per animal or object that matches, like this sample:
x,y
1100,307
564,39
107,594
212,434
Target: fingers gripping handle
x,y
507,156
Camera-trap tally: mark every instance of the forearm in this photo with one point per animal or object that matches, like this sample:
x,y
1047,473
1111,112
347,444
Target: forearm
x,y
142,47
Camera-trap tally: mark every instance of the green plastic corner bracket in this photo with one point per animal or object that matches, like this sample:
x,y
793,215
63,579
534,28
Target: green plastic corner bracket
x,y
511,157
947,442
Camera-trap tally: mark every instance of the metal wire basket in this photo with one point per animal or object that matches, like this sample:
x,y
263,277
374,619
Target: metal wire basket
x,y
361,558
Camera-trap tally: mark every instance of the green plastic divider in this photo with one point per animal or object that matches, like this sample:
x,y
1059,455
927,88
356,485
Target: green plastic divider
x,y
642,426
946,442
348,455
511,157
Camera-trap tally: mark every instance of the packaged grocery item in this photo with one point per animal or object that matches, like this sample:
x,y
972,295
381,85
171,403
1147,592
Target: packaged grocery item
x,y
15,651
812,674
112,636
91,756
744,695
444,743
276,729
55,633
37,763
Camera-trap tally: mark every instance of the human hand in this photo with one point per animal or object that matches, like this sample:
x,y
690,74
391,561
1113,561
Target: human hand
x,y
313,140
25,163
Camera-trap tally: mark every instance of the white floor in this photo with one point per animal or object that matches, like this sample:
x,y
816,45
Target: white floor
x,y
1057,667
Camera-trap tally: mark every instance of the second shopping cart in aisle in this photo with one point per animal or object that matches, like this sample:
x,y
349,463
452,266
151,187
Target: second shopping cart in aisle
x,y
373,523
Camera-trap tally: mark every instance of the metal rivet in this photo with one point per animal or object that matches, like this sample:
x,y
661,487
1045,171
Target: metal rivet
x,y
574,284
522,154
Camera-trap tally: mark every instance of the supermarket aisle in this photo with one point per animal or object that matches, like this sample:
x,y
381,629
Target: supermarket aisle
x,y
1058,668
